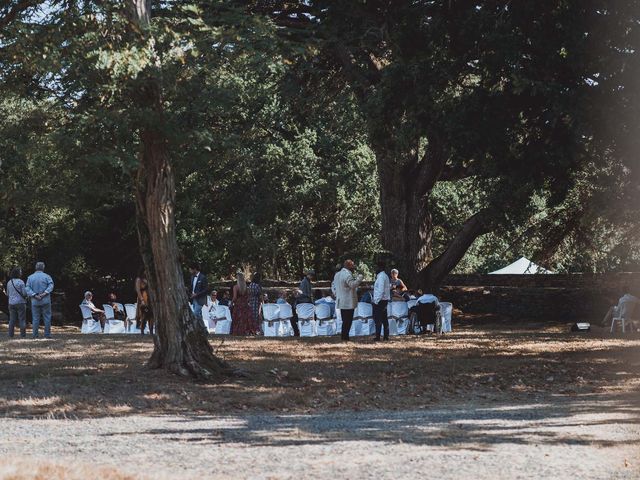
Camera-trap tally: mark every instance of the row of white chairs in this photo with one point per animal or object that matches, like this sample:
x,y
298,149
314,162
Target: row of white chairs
x,y
313,320
111,325
323,320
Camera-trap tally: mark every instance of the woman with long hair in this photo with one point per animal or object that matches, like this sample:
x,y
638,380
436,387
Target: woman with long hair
x,y
242,313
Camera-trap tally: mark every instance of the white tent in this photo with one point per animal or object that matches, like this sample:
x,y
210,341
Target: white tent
x,y
520,267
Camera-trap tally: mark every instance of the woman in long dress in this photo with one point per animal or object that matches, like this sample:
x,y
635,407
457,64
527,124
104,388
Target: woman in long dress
x,y
242,314
255,300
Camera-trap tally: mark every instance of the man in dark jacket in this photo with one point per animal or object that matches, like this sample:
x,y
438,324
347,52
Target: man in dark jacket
x,y
198,289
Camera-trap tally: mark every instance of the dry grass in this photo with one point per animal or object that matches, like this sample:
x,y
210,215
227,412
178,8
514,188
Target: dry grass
x,y
77,375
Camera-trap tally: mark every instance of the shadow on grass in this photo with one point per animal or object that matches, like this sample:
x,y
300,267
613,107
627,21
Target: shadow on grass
x,y
95,376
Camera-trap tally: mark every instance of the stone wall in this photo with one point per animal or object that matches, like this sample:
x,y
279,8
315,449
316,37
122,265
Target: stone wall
x,y
571,297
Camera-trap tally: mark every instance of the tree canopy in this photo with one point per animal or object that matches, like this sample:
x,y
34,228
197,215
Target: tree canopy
x,y
452,134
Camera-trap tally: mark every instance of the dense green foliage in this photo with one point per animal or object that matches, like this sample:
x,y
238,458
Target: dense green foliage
x,y
274,146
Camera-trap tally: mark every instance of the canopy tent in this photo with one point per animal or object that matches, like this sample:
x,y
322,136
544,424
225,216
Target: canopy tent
x,y
520,267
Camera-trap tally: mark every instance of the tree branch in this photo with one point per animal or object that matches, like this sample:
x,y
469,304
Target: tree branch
x,y
13,11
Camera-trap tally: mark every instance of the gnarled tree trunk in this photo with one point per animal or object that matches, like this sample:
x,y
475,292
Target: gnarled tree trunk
x,y
180,345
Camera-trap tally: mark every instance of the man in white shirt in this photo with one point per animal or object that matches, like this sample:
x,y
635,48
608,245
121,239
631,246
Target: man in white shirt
x,y
381,297
346,297
626,298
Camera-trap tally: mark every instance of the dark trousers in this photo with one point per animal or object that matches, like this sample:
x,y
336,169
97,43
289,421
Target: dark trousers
x,y
381,318
347,320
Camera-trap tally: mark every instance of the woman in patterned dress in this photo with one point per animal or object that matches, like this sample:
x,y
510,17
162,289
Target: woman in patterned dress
x,y
255,300
242,313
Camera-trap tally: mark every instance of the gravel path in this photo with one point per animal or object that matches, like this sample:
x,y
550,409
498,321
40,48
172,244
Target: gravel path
x,y
585,439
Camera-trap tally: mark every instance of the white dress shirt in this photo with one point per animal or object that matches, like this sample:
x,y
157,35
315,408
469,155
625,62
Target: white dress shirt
x,y
195,280
428,298
381,288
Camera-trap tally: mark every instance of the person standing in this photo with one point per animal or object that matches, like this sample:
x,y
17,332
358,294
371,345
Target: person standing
x,y
199,289
306,287
254,289
39,287
242,315
144,314
346,296
17,294
381,297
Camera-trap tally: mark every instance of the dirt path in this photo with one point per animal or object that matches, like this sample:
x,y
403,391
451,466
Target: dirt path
x,y
486,402
589,439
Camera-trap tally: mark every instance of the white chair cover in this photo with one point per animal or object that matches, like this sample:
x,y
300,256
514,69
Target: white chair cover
x,y
306,319
363,324
446,313
398,313
338,315
89,325
285,315
114,326
271,316
412,303
222,316
325,321
130,314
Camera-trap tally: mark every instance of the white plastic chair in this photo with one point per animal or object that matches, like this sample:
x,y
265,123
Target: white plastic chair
x,y
271,316
622,314
306,319
112,325
398,313
89,325
325,321
285,314
222,316
363,324
130,314
446,313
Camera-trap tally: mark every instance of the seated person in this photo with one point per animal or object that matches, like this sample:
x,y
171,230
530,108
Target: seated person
x,y
613,311
96,313
226,299
398,288
366,297
213,298
282,297
113,302
428,298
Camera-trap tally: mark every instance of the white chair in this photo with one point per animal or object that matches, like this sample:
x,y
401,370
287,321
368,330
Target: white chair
x,y
209,318
622,314
130,315
446,314
271,316
112,325
89,325
363,324
325,321
285,314
223,319
398,313
338,315
306,319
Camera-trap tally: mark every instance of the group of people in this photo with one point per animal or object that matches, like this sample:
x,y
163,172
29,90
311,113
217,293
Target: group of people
x,y
37,290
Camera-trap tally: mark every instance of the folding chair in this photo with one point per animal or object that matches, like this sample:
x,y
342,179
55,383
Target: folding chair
x,y
223,320
306,319
112,325
398,318
271,316
623,314
285,315
325,321
446,313
89,325
130,315
363,324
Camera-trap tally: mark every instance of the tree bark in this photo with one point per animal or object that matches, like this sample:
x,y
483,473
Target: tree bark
x,y
180,344
407,229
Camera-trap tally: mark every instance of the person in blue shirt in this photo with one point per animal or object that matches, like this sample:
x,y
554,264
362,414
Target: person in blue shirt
x,y
39,288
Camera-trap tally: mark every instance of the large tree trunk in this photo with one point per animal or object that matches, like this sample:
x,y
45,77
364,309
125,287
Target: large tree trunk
x,y
407,230
181,344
